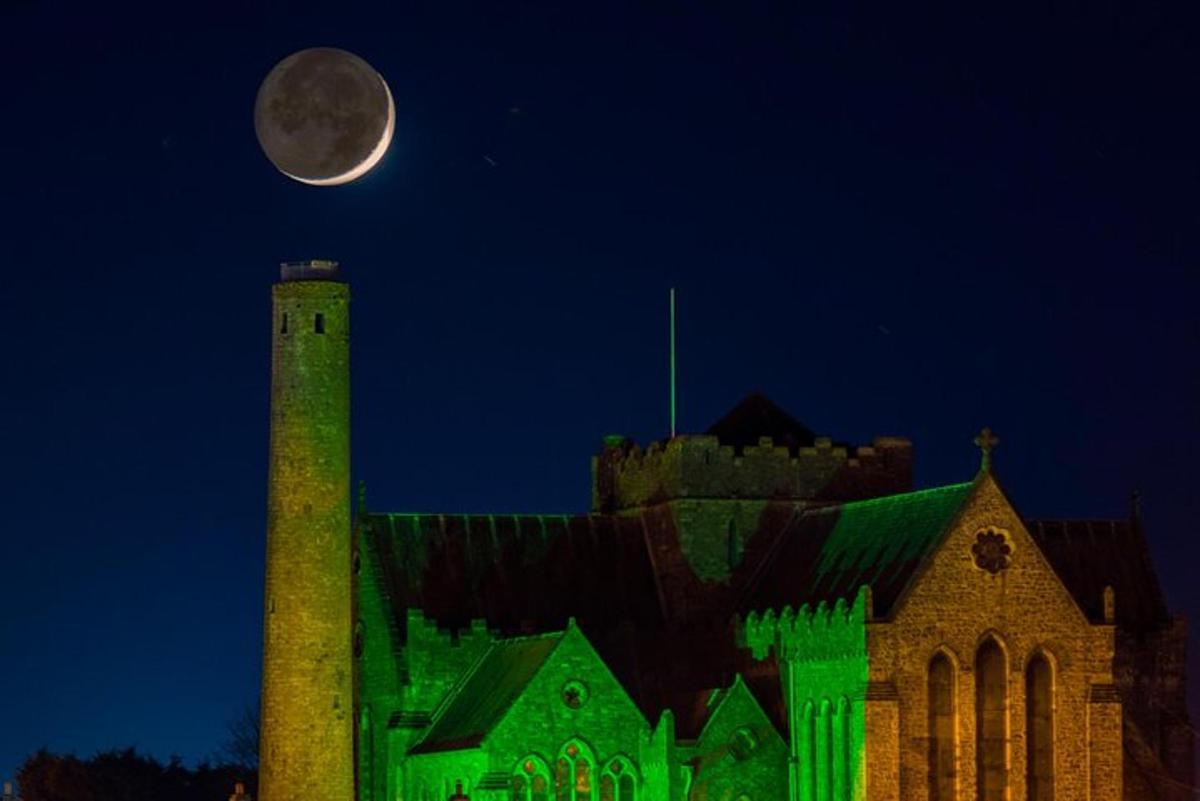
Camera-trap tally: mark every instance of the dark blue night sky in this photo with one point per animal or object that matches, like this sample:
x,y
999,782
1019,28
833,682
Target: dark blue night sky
x,y
890,220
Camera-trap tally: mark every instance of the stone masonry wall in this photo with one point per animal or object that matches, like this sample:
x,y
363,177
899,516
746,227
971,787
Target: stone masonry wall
x,y
722,771
953,606
307,748
624,477
609,724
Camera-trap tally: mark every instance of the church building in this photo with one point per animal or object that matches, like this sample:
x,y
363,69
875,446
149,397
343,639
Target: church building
x,y
753,613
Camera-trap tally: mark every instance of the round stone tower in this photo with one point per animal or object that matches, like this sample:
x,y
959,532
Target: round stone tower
x,y
307,746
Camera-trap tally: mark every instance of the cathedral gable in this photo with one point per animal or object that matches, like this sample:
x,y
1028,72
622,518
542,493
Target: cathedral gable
x,y
572,700
989,564
738,752
1022,679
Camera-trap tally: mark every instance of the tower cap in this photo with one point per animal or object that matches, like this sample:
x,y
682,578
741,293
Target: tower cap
x,y
309,270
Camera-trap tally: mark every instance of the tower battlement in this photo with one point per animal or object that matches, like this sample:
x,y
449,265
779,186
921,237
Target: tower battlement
x,y
309,270
821,632
625,476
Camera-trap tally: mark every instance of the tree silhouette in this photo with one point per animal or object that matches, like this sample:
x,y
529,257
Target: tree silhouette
x,y
125,775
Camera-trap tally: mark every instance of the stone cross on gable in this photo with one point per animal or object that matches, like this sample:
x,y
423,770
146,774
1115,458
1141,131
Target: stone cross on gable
x,y
986,441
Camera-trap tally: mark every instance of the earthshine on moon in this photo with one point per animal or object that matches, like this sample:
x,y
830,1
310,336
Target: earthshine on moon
x,y
324,117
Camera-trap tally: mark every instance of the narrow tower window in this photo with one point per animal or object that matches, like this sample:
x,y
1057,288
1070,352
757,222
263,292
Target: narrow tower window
x,y
941,730
283,324
823,752
319,323
841,755
808,763
1039,730
991,723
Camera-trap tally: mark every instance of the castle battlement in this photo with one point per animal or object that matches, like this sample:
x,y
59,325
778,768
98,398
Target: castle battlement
x,y
625,476
809,633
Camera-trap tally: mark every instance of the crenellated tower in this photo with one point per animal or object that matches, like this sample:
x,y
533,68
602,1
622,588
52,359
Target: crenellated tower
x,y
307,746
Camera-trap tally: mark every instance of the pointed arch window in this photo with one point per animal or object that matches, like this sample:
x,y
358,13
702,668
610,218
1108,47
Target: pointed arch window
x,y
942,730
1039,729
823,762
531,780
733,544
619,781
808,763
991,722
574,773
841,750
366,753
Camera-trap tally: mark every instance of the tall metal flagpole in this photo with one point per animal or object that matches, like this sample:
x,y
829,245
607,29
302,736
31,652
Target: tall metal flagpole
x,y
672,362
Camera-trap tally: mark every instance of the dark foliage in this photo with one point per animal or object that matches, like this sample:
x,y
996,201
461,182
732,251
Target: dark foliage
x,y
126,776
241,745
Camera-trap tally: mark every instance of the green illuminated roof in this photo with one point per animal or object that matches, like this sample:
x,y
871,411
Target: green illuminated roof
x,y
488,691
828,553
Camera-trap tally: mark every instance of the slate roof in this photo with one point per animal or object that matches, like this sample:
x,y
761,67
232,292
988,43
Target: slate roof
x,y
757,416
668,636
1091,554
523,574
828,553
486,693
529,574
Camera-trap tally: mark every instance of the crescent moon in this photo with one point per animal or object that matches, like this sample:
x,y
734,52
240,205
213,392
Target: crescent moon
x,y
364,166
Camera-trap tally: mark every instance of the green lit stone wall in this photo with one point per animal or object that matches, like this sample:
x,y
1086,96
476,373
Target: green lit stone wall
x,y
432,777
607,725
379,672
953,605
739,753
822,653
434,662
712,533
403,671
307,748
664,773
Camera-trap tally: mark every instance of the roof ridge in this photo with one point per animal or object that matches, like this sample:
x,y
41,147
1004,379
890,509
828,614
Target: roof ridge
x,y
898,497
562,515
522,638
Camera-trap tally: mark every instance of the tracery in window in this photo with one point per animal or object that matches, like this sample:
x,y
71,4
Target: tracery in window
x,y
619,781
531,780
573,773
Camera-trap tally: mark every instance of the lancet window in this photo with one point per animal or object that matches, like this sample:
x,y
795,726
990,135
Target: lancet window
x,y
1039,730
808,761
943,740
619,781
991,722
574,773
531,780
842,756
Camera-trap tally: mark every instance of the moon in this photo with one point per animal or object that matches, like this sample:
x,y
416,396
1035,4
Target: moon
x,y
324,117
